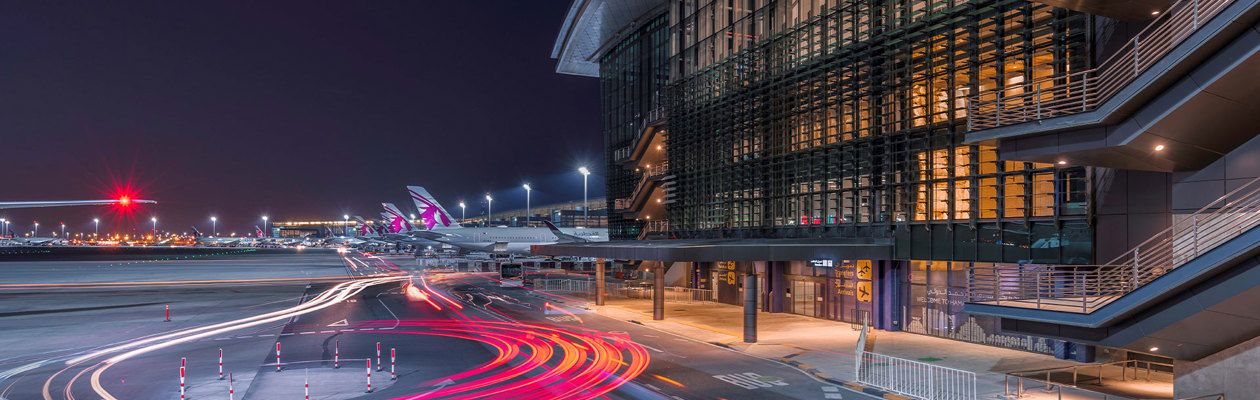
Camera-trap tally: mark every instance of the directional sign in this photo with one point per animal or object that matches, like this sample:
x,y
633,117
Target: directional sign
x,y
864,291
864,269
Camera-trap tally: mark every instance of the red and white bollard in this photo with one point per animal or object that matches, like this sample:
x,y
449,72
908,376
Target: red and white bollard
x,y
392,358
220,364
337,355
277,356
369,375
307,385
378,356
181,380
231,387
168,313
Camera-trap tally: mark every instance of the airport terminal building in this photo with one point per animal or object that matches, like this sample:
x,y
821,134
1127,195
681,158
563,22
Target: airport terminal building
x,y
1007,172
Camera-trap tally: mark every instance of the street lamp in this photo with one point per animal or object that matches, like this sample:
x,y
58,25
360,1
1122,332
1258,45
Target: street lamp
x,y
489,210
154,219
463,214
35,233
266,228
63,229
527,215
586,219
345,226
214,226
97,222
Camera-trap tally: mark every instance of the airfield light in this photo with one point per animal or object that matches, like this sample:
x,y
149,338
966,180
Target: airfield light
x,y
586,173
489,212
527,191
462,212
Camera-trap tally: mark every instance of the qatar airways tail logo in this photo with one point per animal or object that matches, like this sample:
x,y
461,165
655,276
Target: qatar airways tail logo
x,y
429,211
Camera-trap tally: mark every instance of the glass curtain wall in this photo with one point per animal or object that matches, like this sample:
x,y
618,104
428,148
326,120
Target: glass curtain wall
x,y
847,119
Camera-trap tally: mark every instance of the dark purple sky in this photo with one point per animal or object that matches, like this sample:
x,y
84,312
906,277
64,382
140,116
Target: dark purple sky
x,y
294,109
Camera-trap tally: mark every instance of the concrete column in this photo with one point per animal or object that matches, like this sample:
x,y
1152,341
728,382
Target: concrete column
x,y
658,291
778,287
750,309
599,282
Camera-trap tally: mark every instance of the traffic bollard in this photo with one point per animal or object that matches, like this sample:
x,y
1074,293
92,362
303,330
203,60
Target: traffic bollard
x,y
181,383
392,358
307,385
369,375
277,356
168,313
231,387
220,364
337,355
378,356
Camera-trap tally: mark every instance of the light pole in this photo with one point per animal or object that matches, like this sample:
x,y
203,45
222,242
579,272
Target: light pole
x,y
214,226
97,230
63,229
489,210
154,219
6,227
463,214
345,225
35,233
266,228
586,219
527,214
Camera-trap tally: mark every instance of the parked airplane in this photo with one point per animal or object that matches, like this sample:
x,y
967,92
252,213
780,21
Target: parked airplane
x,y
215,241
443,229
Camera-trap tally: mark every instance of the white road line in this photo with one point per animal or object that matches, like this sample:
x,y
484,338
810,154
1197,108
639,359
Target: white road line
x,y
327,331
391,312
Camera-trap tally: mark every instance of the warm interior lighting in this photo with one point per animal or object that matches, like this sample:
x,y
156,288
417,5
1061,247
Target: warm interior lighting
x,y
1159,147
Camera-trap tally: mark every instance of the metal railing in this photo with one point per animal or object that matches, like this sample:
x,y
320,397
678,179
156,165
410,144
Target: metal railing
x,y
915,379
1085,90
1047,376
1085,288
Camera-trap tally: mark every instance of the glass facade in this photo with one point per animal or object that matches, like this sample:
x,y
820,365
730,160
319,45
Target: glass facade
x,y
934,293
632,75
846,119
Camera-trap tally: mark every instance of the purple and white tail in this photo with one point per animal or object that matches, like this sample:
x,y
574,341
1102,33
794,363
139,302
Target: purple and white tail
x,y
397,221
432,213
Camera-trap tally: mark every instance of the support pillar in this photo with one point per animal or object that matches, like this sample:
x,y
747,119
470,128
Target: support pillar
x,y
750,309
599,281
658,291
778,288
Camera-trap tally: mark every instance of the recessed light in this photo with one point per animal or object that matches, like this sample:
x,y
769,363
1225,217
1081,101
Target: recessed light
x,y
1159,147
1061,162
1156,12
1155,349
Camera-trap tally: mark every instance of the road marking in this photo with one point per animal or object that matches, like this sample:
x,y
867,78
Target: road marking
x,y
649,347
305,333
751,380
340,323
287,334
833,395
327,331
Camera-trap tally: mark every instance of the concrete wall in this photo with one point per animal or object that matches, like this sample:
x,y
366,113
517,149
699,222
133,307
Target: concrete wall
x,y
1193,190
1233,372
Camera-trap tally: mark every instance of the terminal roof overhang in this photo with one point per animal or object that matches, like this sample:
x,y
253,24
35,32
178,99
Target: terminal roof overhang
x,y
591,26
699,250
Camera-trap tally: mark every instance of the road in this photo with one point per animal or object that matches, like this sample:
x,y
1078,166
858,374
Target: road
x,y
456,336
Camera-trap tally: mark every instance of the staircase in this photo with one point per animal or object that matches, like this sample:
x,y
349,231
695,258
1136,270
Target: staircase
x,y
1086,288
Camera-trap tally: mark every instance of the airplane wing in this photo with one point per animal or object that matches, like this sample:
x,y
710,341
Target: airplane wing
x,y
36,204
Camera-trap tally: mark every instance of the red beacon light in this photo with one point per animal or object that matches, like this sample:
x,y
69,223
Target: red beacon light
x,y
124,201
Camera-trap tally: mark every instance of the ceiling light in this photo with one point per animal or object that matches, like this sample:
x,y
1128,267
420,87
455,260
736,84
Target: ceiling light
x,y
1155,349
1156,12
1159,147
1061,162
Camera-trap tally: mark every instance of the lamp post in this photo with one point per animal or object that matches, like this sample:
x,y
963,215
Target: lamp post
x,y
527,214
463,214
214,225
586,219
6,227
489,210
63,229
345,226
266,228
154,219
35,233
97,230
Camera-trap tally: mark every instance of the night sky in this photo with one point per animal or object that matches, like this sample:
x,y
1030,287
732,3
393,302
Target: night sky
x,y
293,109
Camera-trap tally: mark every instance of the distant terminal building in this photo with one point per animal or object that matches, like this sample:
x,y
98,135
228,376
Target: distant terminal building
x,y
1007,172
568,214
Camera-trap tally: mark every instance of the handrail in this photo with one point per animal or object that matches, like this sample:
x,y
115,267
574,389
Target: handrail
x,y
1020,376
1083,91
1085,288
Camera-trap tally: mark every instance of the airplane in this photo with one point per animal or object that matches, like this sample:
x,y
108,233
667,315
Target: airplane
x,y
440,227
33,241
215,241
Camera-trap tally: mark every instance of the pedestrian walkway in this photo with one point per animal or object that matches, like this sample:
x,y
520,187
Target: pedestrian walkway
x,y
826,348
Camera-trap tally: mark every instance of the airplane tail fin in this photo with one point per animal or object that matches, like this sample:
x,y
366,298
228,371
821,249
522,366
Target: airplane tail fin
x,y
258,231
195,232
397,220
431,212
561,236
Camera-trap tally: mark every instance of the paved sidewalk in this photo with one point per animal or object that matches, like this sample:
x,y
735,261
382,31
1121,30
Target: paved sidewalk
x,y
826,348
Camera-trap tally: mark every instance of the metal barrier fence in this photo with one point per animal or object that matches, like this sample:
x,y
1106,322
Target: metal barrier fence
x,y
586,288
1085,288
916,379
1085,90
1052,385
